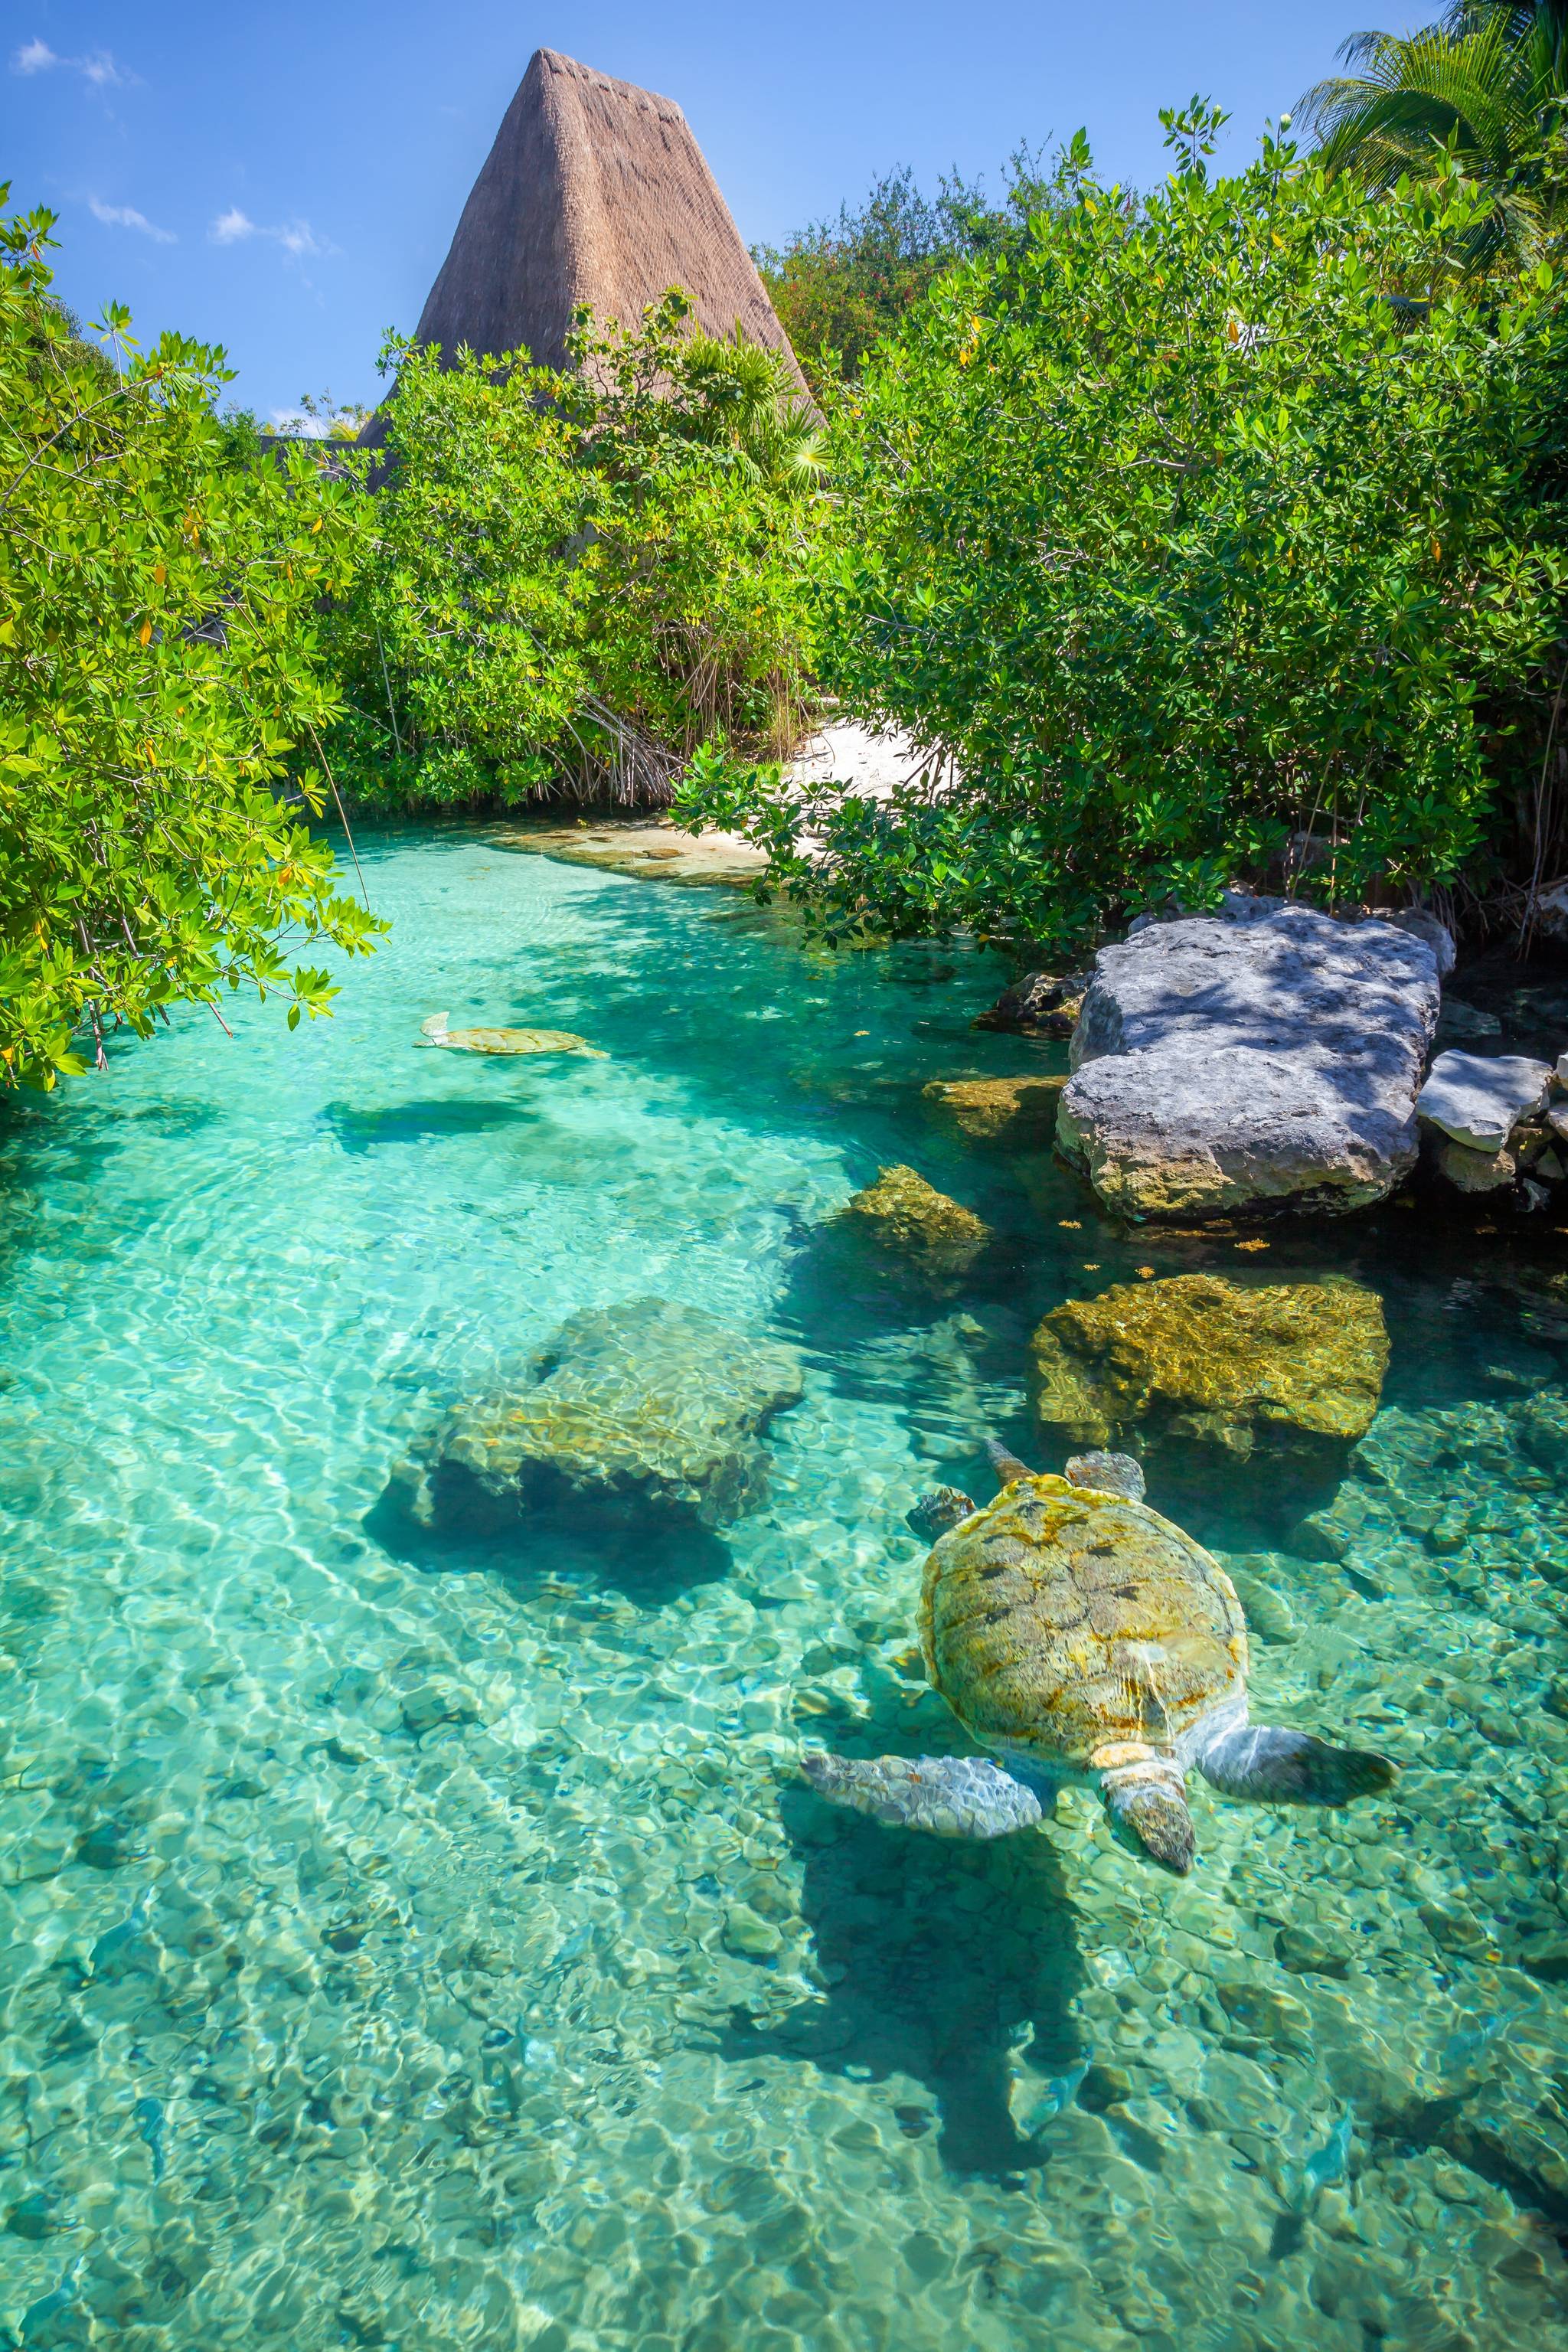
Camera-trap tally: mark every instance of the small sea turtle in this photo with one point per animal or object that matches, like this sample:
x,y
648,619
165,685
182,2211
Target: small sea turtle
x,y
508,1040
1079,1636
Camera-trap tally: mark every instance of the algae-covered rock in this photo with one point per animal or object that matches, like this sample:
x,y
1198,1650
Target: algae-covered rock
x,y
1290,1368
902,1212
1474,1172
1021,1112
1041,1004
648,1402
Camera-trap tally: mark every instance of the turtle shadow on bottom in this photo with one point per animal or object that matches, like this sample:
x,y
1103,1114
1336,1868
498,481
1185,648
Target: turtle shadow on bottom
x,y
938,1953
360,1128
650,1557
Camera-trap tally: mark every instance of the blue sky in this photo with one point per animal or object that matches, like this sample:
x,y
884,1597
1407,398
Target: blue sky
x,y
285,179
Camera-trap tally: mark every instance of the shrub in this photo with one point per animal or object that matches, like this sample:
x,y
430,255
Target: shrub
x,y
579,577
1200,533
839,286
158,667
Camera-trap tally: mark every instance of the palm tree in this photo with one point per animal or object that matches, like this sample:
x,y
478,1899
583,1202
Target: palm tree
x,y
747,405
1487,87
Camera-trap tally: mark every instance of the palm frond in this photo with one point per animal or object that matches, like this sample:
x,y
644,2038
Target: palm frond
x,y
1485,90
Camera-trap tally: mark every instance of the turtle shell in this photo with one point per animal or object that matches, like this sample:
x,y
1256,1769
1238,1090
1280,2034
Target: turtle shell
x,y
1060,1619
515,1041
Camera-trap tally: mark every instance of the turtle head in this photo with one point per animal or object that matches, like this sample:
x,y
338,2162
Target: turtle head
x,y
1144,1793
1158,1818
1107,1474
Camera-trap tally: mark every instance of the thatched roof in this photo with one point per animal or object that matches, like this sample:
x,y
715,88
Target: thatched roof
x,y
595,192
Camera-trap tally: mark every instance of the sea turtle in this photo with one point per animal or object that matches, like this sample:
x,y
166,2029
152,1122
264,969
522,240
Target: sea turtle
x,y
508,1040
1079,1636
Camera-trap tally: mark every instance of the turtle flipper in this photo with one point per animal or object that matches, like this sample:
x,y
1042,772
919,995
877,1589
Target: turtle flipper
x,y
1006,1465
1107,1474
943,1507
951,1796
1291,1767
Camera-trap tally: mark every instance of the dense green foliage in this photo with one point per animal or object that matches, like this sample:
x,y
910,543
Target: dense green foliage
x,y
580,577
1198,533
1488,87
841,285
159,582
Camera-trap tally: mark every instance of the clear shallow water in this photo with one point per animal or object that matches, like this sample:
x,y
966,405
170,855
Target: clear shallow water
x,y
423,1949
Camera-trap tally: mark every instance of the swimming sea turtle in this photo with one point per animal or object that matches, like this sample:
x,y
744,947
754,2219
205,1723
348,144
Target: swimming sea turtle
x,y
1080,1636
508,1040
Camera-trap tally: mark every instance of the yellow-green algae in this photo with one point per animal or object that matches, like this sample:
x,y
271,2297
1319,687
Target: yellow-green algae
x,y
1294,1366
1016,1111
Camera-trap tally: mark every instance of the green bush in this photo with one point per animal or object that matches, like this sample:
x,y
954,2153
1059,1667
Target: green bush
x,y
579,577
839,286
1199,533
158,667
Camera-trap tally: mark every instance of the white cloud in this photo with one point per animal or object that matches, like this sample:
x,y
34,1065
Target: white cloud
x,y
127,216
98,67
297,237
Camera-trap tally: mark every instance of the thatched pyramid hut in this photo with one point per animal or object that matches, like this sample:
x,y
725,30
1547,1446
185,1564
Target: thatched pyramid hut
x,y
595,192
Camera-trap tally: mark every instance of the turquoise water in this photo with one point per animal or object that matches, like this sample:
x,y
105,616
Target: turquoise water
x,y
422,1948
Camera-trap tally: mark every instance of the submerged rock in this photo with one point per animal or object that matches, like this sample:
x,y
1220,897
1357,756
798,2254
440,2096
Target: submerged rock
x,y
651,849
1221,1064
1458,1023
1018,1111
648,1402
1268,1609
1286,1370
1479,1099
901,1212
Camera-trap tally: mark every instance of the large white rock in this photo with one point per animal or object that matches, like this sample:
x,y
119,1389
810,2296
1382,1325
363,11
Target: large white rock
x,y
1220,1063
1480,1099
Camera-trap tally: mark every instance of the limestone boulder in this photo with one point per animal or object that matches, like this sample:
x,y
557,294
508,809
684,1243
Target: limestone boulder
x,y
1287,1372
1221,1065
1477,1099
1422,924
648,1404
1017,1113
901,1215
